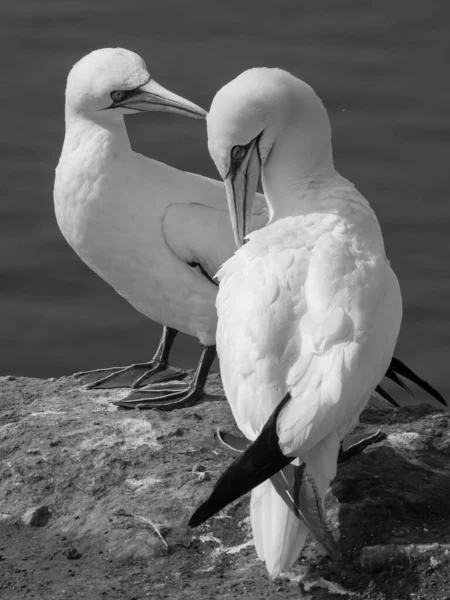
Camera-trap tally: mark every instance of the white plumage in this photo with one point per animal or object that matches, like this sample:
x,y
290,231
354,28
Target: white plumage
x,y
136,222
309,305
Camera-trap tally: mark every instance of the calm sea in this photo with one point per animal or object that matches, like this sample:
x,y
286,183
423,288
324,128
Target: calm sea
x,y
381,69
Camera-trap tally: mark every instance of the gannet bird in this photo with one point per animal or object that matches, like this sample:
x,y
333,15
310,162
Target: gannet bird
x,y
156,234
309,309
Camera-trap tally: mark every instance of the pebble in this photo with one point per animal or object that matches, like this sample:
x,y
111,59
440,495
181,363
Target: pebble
x,y
37,516
72,553
198,468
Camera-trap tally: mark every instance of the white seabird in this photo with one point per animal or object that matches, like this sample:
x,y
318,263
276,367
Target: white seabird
x,y
309,309
156,234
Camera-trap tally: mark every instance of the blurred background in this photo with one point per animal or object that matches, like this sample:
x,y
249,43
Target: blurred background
x,y
381,69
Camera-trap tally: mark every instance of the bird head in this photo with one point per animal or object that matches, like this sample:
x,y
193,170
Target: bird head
x,y
115,81
268,122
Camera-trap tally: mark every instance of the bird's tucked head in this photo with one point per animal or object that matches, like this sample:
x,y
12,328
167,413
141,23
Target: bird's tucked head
x,y
113,81
265,119
244,110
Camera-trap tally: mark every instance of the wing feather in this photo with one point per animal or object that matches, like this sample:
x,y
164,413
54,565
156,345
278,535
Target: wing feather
x,y
297,314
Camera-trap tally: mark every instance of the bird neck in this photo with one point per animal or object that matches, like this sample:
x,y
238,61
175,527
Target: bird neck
x,y
107,132
301,155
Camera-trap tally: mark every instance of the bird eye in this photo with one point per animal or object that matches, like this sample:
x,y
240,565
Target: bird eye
x,y
118,95
237,152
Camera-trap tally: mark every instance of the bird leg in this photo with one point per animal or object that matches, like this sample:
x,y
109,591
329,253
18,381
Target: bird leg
x,y
137,375
177,395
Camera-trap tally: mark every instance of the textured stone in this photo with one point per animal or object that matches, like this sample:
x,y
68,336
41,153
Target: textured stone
x,y
37,516
120,487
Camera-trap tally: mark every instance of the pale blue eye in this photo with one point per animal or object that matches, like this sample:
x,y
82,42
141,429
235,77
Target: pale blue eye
x,y
237,152
118,95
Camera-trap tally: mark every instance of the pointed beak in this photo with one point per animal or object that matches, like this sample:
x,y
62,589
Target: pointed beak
x,y
152,96
240,184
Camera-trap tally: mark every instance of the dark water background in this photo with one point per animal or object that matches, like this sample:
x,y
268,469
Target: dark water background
x,y
382,69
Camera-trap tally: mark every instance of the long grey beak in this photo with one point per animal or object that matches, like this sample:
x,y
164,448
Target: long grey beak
x,y
240,184
152,96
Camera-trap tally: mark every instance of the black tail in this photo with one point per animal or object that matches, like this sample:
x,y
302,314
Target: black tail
x,y
397,367
387,396
262,459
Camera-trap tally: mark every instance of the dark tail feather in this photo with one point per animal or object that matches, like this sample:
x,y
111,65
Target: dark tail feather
x,y
392,375
389,399
262,459
399,368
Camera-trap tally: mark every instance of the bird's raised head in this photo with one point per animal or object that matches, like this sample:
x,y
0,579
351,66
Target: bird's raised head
x,y
115,81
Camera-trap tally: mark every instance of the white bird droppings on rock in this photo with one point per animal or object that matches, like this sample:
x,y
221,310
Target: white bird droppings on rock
x,y
406,440
141,484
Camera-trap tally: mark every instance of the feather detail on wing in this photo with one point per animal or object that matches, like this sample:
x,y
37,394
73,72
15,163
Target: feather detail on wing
x,y
202,234
298,316
309,307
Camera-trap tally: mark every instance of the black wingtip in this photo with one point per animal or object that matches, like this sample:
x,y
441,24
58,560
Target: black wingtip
x,y
262,459
389,399
392,375
202,514
399,367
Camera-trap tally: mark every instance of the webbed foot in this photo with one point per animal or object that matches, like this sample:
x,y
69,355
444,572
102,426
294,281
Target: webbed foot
x,y
352,445
174,395
133,376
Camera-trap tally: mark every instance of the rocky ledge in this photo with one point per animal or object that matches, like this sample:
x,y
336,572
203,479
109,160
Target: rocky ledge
x,y
94,503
